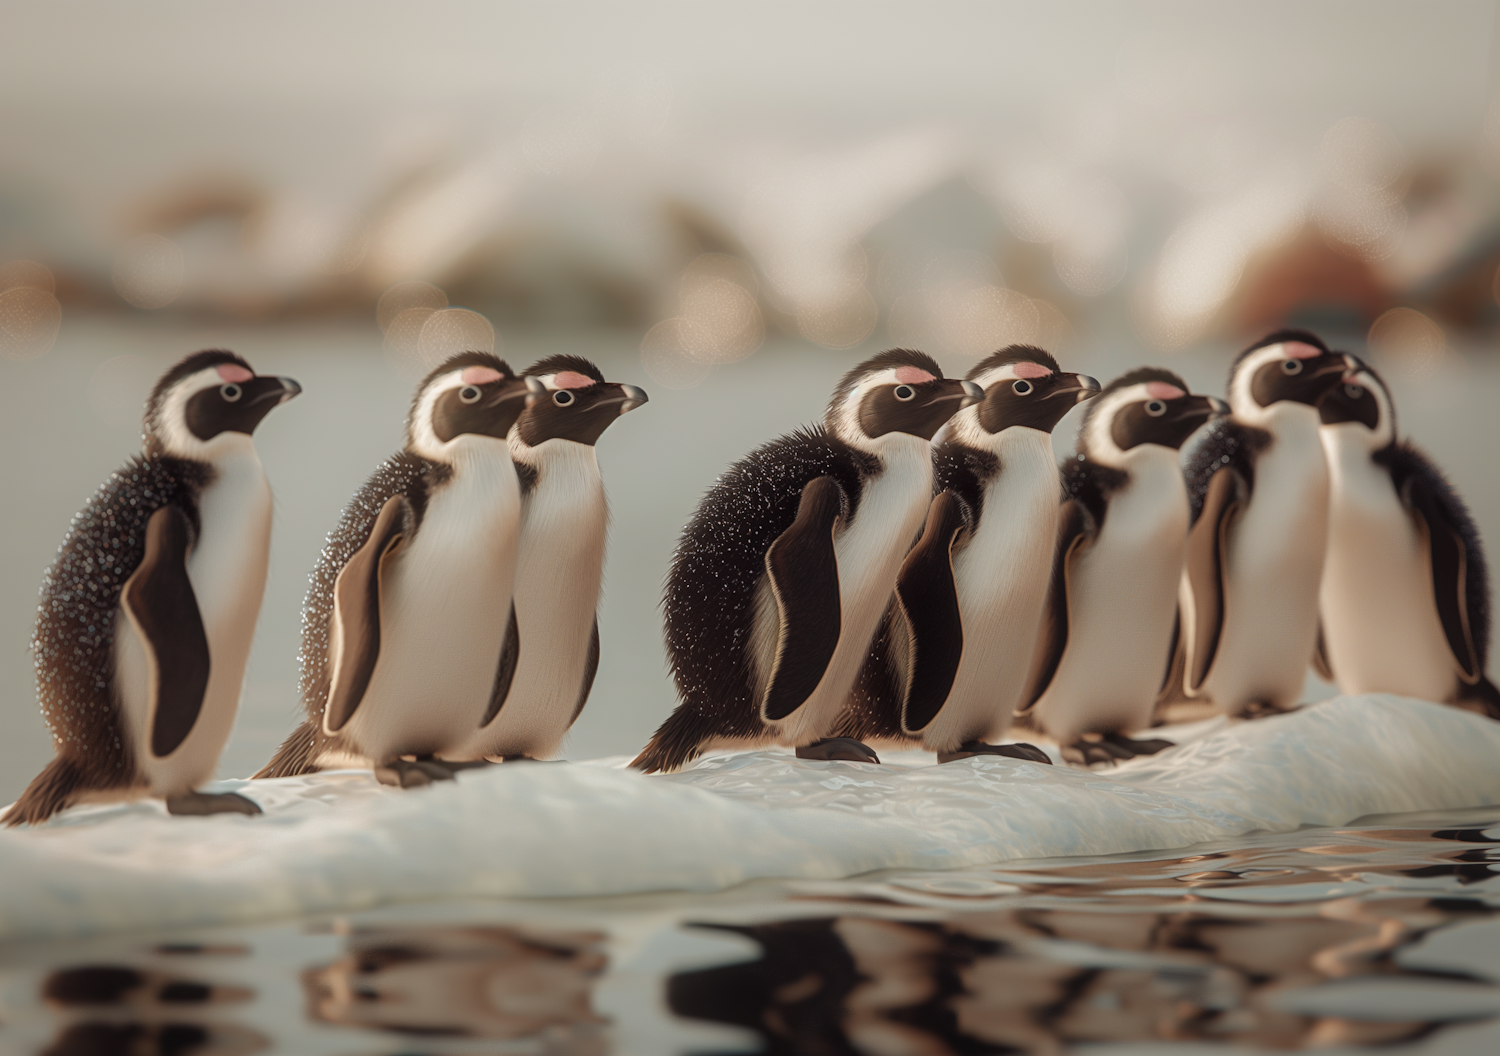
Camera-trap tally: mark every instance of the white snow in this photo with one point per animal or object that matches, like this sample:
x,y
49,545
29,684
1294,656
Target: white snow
x,y
340,842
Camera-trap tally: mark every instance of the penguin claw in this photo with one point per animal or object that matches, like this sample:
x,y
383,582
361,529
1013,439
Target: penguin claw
x,y
1139,747
415,773
1020,750
200,803
843,748
1110,748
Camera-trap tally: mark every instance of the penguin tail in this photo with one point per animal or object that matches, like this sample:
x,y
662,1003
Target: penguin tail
x,y
50,791
1482,697
677,742
297,755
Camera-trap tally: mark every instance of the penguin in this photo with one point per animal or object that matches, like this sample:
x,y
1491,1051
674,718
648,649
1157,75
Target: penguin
x,y
409,637
147,614
560,562
952,663
1258,488
1111,615
1404,600
781,578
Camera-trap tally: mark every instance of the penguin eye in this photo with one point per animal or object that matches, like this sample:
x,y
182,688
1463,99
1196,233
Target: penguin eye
x,y
1354,392
1156,408
1021,386
470,394
904,393
1291,366
231,392
562,397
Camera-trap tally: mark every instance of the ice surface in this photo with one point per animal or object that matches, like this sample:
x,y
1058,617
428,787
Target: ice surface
x,y
339,841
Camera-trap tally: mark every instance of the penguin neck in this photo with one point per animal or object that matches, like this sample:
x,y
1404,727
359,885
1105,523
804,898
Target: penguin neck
x,y
1154,494
1353,472
567,460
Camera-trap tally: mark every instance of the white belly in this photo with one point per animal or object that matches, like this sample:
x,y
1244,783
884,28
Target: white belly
x,y
869,553
1001,576
558,575
1121,607
1380,620
1275,563
227,570
444,615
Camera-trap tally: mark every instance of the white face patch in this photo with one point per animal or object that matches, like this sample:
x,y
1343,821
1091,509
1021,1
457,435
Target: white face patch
x,y
1099,437
170,424
1241,402
421,437
844,422
1385,429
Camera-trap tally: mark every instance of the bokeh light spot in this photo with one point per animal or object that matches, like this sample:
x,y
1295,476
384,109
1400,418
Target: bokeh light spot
x,y
406,295
29,322
148,272
665,357
1407,343
453,330
26,273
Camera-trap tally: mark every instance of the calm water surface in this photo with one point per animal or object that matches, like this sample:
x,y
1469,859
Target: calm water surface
x,y
1381,936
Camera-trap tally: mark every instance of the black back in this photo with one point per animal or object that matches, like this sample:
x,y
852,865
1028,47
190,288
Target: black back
x,y
966,471
1091,484
73,646
1226,442
710,590
1403,462
401,474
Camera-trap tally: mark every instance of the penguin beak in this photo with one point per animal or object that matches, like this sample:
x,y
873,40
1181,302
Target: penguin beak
x,y
1081,386
1218,406
535,390
273,388
634,397
972,394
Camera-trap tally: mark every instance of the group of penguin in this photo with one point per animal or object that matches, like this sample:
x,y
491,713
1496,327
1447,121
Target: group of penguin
x,y
915,571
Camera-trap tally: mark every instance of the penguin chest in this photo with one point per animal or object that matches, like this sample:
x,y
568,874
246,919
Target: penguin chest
x,y
869,552
445,604
1001,576
1380,621
1275,562
558,575
227,570
1121,603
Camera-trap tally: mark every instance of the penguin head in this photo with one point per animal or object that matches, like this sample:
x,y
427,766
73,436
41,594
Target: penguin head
x,y
1023,388
1286,373
577,404
897,393
1360,406
209,404
473,398
1144,407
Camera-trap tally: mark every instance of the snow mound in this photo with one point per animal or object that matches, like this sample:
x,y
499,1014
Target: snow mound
x,y
340,842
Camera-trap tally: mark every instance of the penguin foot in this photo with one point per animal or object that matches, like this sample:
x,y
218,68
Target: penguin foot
x,y
211,803
845,748
1111,748
1020,750
414,773
1260,709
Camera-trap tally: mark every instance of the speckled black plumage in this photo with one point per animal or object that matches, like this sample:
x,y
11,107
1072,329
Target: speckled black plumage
x,y
73,646
401,474
1091,484
966,471
710,590
1225,442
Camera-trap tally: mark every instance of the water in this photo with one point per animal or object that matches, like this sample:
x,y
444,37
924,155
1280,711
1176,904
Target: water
x,y
1378,936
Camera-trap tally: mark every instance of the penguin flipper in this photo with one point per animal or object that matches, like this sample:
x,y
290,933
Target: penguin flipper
x,y
590,669
505,672
1207,569
804,575
1320,662
1075,528
356,613
928,598
1449,553
159,602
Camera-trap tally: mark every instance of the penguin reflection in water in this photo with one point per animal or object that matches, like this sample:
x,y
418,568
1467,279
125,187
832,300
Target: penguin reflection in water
x,y
1405,593
783,574
409,637
1111,613
1258,483
148,613
951,661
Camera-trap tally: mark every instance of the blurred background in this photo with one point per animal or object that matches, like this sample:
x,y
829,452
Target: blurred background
x,y
727,204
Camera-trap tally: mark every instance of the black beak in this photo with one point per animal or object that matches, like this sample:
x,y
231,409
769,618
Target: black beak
x,y
273,388
1081,387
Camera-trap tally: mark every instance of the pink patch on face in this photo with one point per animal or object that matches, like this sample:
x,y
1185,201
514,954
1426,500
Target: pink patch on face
x,y
480,375
1162,391
1300,350
571,379
913,375
1027,369
234,372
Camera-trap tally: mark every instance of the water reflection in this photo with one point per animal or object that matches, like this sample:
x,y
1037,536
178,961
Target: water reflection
x,y
1382,937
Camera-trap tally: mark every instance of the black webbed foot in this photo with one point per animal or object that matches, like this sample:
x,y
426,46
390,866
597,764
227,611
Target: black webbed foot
x,y
1260,709
845,748
1020,750
1094,748
211,803
414,773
